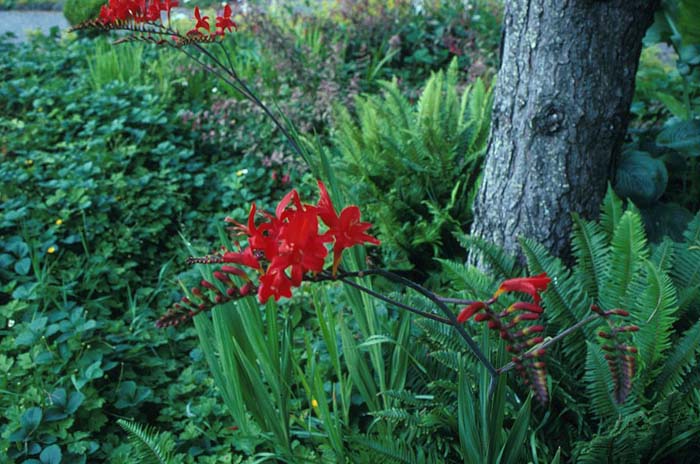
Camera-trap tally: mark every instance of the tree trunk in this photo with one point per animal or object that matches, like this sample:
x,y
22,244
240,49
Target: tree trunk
x,y
560,115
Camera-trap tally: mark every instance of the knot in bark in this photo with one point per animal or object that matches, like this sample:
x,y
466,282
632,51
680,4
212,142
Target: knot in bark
x,y
548,120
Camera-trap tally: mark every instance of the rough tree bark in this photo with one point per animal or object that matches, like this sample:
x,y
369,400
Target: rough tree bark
x,y
560,114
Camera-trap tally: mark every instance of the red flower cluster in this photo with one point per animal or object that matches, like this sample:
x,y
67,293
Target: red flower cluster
x,y
150,11
223,23
138,11
520,340
290,244
282,249
621,356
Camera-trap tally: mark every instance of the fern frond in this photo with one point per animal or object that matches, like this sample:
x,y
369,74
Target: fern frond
x,y
599,383
628,253
590,246
566,300
449,359
654,313
409,398
682,359
148,445
611,212
440,337
395,415
498,261
686,269
388,451
663,255
468,279
622,443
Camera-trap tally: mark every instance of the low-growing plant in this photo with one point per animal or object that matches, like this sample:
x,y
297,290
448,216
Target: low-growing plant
x,y
416,167
659,170
253,363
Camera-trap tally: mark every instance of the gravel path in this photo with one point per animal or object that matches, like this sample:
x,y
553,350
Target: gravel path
x,y
20,22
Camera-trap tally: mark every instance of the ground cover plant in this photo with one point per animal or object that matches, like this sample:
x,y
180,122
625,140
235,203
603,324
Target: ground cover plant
x,y
357,366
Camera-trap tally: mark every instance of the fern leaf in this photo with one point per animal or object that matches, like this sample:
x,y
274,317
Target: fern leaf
x,y
388,450
610,212
682,359
589,245
149,446
686,269
654,314
498,261
565,299
663,255
628,252
471,281
599,383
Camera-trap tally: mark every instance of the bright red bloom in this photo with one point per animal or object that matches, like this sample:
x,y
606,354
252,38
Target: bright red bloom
x,y
202,22
530,285
259,237
138,11
531,307
300,245
470,310
346,229
224,22
244,258
274,283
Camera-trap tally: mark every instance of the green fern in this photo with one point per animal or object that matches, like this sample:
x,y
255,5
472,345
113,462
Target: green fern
x,y
610,212
629,251
415,166
599,383
654,313
501,264
589,243
686,269
566,300
679,362
148,445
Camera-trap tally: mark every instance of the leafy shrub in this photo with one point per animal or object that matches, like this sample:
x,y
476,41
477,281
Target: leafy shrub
x,y
95,184
659,170
77,11
616,268
659,286
416,166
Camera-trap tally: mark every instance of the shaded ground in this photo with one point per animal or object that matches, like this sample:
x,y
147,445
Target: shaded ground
x,y
21,22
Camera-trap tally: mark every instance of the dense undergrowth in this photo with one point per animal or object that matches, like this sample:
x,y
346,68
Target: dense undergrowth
x,y
118,162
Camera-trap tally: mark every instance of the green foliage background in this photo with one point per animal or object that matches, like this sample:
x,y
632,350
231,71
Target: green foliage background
x,y
117,162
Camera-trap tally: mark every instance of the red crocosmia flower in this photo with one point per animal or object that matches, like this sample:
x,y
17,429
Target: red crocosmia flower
x,y
224,22
300,246
154,9
470,310
530,285
349,232
282,213
244,258
346,229
531,307
274,283
326,210
106,15
202,22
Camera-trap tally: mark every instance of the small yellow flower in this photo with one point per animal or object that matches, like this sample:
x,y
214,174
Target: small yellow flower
x,y
28,162
59,221
314,403
51,250
241,172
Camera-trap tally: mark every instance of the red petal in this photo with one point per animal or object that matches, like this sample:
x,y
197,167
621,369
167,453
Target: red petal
x,y
470,310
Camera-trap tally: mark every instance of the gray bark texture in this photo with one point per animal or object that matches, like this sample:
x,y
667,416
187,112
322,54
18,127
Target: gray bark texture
x,y
560,115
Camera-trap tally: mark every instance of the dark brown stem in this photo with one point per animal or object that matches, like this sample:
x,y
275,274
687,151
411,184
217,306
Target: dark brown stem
x,y
443,307
551,341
